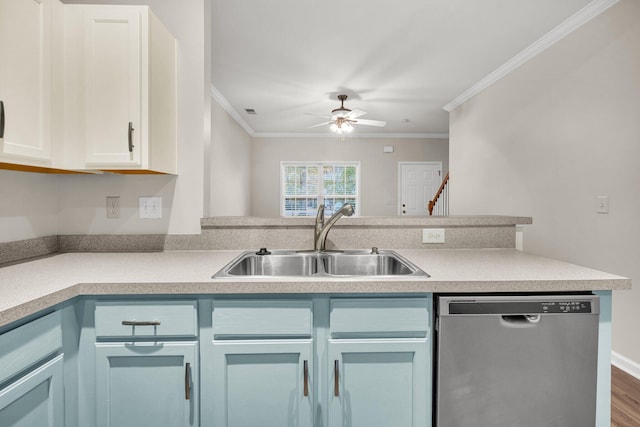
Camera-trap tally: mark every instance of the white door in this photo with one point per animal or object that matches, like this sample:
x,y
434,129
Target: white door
x,y
418,184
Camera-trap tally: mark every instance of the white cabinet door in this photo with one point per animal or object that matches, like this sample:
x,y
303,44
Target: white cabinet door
x,y
25,81
113,84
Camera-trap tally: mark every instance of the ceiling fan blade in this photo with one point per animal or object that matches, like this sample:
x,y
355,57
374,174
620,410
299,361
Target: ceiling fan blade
x,y
320,124
318,115
370,122
356,113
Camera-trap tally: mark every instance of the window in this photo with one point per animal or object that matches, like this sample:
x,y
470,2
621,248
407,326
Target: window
x,y
305,186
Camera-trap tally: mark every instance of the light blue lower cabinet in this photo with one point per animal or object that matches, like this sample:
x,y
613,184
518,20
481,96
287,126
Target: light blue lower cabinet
x,y
266,383
35,399
147,384
379,382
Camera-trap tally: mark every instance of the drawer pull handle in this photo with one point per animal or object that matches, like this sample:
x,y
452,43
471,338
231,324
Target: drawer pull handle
x,y
187,381
1,119
336,385
306,378
131,129
134,323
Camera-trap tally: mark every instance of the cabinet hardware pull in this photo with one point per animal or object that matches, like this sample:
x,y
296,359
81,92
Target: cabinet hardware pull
x,y
336,386
306,378
187,381
131,129
1,119
134,323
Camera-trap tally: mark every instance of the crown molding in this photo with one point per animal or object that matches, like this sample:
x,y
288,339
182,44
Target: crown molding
x,y
584,15
219,97
355,135
226,106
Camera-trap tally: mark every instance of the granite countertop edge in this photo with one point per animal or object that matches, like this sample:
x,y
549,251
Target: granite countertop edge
x,y
64,277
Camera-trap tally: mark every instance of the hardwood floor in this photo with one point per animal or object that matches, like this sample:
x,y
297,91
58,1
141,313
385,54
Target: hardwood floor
x,y
625,399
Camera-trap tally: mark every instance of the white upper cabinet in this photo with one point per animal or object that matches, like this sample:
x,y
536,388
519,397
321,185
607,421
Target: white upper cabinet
x,y
120,81
26,81
113,85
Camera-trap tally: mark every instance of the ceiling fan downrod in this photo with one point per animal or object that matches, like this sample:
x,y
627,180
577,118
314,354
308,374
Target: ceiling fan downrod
x,y
341,98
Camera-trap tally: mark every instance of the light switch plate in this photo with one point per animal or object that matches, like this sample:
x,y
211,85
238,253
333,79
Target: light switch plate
x,y
433,235
602,204
150,207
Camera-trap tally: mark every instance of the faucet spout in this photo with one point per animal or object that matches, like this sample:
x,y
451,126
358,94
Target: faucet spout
x,y
319,224
322,229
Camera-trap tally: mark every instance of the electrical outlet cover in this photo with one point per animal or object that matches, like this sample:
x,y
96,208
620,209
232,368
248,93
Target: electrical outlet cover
x,y
433,235
113,207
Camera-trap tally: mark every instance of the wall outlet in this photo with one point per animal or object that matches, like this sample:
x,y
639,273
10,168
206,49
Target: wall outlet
x,y
150,207
433,235
113,207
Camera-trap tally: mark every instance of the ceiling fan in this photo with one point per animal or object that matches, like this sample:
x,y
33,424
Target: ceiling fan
x,y
342,119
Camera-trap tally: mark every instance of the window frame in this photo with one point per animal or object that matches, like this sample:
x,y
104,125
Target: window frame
x,y
320,195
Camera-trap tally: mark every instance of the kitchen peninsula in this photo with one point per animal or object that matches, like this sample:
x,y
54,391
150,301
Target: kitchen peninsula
x,y
212,327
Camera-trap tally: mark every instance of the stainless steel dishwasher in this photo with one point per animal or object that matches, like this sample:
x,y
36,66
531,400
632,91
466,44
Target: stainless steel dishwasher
x,y
516,361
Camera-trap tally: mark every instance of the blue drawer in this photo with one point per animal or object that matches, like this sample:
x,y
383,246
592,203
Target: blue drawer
x,y
131,319
262,319
379,318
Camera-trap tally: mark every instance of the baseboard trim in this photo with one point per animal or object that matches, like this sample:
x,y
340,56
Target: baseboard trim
x,y
627,365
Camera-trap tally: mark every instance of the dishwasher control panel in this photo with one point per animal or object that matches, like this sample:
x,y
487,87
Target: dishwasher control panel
x,y
521,307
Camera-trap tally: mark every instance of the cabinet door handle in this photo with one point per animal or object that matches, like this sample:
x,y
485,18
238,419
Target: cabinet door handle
x,y
187,381
306,378
146,323
1,119
336,385
131,129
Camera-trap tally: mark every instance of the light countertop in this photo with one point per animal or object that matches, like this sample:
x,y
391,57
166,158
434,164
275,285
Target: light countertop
x,y
29,287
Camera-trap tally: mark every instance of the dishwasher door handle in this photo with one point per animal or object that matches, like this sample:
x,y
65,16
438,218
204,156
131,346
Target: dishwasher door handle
x,y
520,320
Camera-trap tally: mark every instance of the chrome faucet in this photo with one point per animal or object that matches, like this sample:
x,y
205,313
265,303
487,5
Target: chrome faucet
x,y
321,229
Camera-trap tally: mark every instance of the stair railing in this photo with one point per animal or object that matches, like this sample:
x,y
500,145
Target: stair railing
x,y
440,202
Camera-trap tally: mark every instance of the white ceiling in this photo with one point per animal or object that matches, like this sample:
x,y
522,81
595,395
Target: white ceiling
x,y
402,59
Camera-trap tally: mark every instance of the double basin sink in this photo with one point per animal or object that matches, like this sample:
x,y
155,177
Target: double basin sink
x,y
344,264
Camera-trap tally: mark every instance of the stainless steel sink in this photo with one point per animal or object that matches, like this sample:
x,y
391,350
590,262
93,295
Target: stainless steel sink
x,y
276,264
352,263
358,264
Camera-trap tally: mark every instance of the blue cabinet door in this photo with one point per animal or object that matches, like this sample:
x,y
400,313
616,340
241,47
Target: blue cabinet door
x,y
379,382
36,399
264,383
146,384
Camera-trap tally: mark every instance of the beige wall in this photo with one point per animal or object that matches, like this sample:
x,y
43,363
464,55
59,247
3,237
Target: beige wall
x,y
28,205
379,170
230,185
550,137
